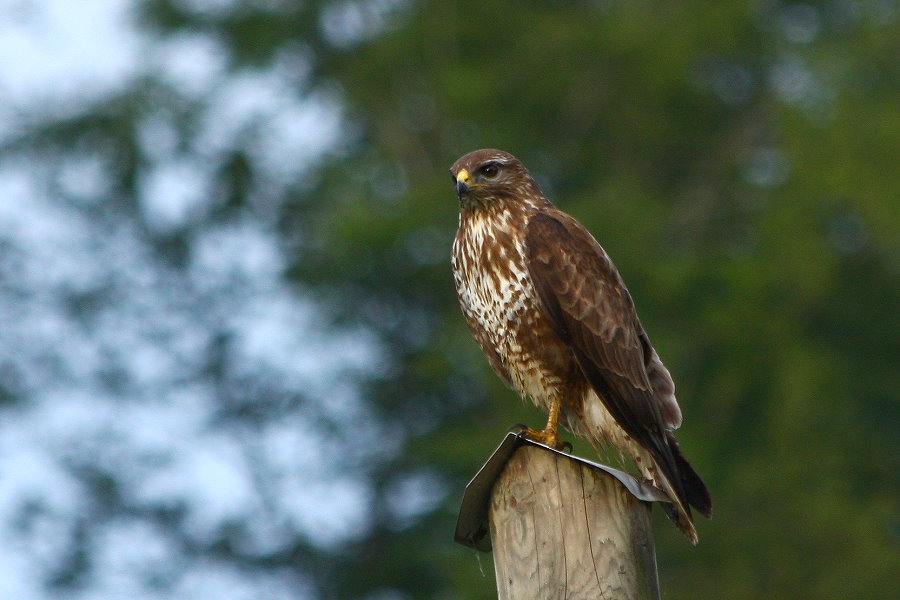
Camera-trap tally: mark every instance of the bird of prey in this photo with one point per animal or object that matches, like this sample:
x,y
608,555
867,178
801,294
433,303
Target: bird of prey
x,y
557,324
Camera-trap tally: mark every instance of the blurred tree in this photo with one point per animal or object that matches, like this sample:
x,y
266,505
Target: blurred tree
x,y
736,159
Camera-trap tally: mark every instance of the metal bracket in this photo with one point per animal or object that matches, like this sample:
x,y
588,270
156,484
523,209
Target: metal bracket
x,y
472,528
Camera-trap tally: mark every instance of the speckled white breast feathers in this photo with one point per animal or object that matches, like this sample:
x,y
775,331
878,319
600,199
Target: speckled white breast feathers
x,y
499,300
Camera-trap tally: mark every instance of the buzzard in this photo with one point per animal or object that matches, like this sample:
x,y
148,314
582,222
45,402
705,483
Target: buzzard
x,y
557,324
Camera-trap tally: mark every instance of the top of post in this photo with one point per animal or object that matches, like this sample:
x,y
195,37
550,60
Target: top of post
x,y
472,523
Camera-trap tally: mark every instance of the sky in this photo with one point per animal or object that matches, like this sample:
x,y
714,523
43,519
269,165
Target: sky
x,y
104,347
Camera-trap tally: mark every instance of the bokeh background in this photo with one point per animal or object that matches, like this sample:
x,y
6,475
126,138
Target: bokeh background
x,y
231,361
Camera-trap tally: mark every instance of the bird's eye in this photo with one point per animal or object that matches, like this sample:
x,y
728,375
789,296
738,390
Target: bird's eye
x,y
490,170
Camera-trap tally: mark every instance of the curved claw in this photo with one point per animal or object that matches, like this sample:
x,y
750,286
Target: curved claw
x,y
521,428
566,447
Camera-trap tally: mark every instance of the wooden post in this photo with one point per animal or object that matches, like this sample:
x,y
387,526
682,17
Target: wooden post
x,y
562,528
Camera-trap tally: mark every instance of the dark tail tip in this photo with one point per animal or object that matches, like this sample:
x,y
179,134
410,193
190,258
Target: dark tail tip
x,y
695,491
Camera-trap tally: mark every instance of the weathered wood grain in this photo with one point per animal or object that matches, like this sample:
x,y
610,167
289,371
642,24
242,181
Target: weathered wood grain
x,y
562,530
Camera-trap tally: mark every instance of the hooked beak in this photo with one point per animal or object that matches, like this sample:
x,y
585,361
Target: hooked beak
x,y
462,183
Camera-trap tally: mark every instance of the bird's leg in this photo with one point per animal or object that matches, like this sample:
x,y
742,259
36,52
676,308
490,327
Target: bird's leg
x,y
552,421
547,436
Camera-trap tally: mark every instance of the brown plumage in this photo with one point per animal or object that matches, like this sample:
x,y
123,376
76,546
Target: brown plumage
x,y
553,316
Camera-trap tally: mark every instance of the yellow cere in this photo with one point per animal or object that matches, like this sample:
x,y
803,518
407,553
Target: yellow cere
x,y
463,176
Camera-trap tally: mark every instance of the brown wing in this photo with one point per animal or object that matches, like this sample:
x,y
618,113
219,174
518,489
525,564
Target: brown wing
x,y
585,299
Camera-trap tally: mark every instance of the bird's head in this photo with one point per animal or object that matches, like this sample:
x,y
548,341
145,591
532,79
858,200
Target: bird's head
x,y
487,176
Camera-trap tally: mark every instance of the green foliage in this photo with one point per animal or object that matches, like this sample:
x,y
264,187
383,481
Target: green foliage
x,y
736,159
741,182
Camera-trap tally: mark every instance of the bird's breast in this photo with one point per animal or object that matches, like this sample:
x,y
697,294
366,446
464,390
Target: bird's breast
x,y
502,309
